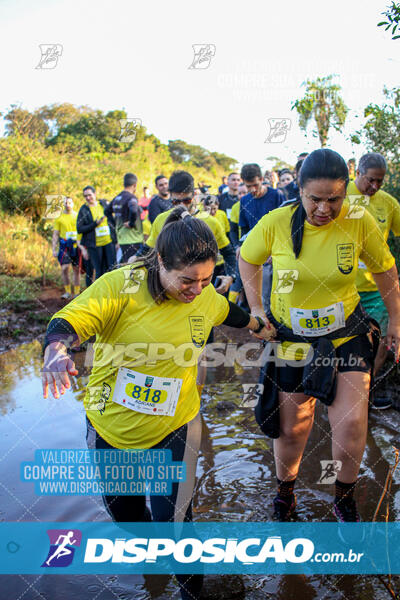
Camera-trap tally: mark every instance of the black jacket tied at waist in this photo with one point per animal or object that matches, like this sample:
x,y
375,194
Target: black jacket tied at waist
x,y
319,378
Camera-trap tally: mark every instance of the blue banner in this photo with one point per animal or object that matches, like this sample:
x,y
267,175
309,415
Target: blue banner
x,y
219,548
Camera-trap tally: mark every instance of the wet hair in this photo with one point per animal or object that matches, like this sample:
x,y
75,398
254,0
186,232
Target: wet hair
x,y
157,179
250,172
181,182
183,241
320,164
129,179
373,160
89,187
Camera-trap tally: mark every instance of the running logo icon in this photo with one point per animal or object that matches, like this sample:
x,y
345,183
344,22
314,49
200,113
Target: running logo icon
x,y
251,394
329,471
63,543
278,129
54,206
286,280
50,55
203,54
357,204
128,129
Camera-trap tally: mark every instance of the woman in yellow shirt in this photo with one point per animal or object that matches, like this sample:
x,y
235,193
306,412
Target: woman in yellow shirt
x,y
315,245
151,320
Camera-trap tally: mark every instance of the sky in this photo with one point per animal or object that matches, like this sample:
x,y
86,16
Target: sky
x,y
136,56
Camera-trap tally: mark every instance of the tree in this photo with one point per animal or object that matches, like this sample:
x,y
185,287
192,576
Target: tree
x,y
323,103
392,14
381,133
22,122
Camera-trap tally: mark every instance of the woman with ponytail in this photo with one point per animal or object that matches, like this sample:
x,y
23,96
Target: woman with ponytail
x,y
325,342
151,320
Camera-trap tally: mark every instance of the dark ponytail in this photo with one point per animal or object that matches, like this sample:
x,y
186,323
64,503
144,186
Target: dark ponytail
x,y
320,164
183,240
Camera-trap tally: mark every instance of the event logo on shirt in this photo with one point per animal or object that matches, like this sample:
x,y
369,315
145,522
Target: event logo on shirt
x,y
286,279
203,54
62,547
197,331
50,55
128,129
345,258
278,129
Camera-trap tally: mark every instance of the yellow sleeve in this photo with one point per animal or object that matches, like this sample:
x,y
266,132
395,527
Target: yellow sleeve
x,y
395,214
99,306
226,222
218,232
57,225
375,252
235,212
155,230
221,307
257,247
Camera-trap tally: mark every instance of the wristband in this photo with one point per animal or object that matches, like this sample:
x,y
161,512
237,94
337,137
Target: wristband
x,y
261,325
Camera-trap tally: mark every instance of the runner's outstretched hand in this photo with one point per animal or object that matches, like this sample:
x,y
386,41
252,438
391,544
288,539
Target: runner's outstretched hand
x,y
56,368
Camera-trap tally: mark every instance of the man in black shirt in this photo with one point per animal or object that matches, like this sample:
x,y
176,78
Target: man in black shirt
x,y
229,198
161,201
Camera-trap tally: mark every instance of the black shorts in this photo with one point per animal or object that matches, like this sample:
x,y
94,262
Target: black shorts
x,y
354,355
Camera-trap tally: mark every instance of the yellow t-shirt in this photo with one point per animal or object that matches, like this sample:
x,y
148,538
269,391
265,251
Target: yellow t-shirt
x,y
132,331
65,224
212,222
221,216
102,231
325,272
386,211
234,218
146,226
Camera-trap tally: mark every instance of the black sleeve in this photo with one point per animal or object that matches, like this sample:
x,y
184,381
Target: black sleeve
x,y
237,317
234,234
108,210
154,209
134,212
59,330
83,225
230,259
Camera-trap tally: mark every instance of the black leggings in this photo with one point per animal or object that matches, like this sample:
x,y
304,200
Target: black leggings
x,y
184,444
102,258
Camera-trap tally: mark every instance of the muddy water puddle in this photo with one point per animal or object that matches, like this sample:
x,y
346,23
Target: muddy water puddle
x,y
235,482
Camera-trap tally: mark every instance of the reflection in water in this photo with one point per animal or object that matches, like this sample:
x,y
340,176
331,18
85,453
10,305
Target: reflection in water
x,y
235,482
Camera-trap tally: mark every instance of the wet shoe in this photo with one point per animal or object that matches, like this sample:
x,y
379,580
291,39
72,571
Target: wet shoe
x,y
381,403
283,509
346,511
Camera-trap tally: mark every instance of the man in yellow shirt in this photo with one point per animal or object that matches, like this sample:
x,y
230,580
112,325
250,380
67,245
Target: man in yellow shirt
x,y
66,248
365,193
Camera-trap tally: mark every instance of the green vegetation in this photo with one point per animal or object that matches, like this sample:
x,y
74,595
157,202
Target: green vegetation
x,y
392,14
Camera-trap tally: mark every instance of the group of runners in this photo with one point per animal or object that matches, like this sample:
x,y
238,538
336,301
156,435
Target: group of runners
x,y
305,267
